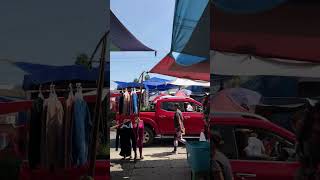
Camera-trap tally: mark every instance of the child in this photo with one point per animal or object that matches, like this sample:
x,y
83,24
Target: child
x,y
139,134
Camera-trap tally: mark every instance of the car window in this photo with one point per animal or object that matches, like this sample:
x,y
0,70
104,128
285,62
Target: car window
x,y
192,107
169,106
261,144
228,146
150,108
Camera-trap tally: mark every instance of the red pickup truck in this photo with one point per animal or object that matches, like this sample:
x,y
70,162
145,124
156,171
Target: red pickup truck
x,y
159,119
280,161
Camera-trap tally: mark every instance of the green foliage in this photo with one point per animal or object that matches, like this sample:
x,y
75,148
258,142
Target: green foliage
x,y
147,108
147,77
83,59
104,150
136,80
112,115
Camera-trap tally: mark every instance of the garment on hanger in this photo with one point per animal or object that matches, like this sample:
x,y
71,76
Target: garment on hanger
x,y
135,102
81,132
126,103
34,148
68,120
54,133
43,147
121,103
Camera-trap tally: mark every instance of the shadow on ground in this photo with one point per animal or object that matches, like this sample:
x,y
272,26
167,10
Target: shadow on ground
x,y
169,169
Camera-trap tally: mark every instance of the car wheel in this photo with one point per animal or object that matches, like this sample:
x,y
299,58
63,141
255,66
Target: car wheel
x,y
148,136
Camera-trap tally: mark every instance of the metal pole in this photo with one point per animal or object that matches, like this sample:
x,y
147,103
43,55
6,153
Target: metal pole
x,y
97,111
140,98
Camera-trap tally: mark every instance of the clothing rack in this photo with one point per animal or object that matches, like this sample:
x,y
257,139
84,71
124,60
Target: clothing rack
x,y
59,90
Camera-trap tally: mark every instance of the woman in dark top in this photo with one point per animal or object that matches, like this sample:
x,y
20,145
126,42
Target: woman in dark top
x,y
127,140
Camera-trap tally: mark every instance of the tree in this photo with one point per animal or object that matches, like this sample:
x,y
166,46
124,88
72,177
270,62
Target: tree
x,y
136,80
147,77
82,59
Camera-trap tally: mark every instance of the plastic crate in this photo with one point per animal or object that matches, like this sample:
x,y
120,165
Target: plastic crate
x,y
198,154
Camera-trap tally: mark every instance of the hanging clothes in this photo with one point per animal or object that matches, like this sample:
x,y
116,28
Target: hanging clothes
x,y
135,102
68,122
81,132
121,103
54,133
126,104
34,150
127,139
43,147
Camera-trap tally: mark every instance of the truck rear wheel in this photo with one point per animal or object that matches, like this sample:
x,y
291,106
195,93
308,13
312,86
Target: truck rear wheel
x,y
148,136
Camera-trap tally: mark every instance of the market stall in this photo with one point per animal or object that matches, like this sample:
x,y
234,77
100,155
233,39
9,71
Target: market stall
x,y
70,127
28,172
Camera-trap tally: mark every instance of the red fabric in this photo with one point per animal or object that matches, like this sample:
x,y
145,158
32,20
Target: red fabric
x,y
18,106
181,94
222,103
102,173
291,31
168,66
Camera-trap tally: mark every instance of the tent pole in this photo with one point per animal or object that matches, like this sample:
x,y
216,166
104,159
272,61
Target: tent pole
x,y
140,97
97,112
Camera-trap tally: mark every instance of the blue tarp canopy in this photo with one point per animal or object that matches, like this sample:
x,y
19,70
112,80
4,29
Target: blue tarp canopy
x,y
158,84
151,84
9,99
41,74
190,35
122,85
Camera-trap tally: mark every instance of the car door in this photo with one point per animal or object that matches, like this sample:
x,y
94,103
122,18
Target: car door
x,y
252,168
193,118
273,164
165,115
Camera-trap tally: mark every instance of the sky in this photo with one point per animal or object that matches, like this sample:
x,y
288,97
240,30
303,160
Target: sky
x,y
48,32
150,21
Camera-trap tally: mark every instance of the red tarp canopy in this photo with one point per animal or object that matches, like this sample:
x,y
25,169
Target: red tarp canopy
x,y
290,31
168,66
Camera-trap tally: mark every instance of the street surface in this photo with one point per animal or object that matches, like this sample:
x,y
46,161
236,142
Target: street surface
x,y
158,163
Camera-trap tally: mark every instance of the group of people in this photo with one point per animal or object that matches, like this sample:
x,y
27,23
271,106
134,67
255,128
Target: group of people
x,y
131,135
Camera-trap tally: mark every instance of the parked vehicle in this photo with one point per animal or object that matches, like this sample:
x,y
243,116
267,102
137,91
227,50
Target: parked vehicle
x,y
159,123
279,161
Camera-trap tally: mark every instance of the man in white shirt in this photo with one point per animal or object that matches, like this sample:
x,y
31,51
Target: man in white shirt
x,y
255,147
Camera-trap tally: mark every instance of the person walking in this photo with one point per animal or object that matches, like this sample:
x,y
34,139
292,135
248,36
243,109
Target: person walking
x,y
179,127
